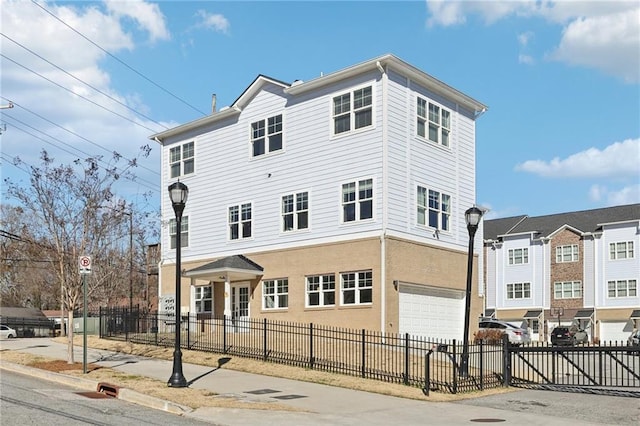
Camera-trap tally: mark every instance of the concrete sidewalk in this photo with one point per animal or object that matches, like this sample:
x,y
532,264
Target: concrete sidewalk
x,y
317,404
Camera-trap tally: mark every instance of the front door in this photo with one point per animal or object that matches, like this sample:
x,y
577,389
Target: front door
x,y
240,307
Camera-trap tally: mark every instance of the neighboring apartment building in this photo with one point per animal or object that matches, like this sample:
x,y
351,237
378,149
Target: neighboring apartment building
x,y
579,268
336,201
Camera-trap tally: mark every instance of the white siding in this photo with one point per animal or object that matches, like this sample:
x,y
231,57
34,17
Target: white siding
x,y
588,284
622,269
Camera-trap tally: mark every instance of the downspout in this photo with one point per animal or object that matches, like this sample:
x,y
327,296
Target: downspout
x,y
385,187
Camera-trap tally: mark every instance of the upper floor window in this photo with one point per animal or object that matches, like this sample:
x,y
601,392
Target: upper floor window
x,y
184,232
356,287
295,211
357,200
518,256
567,290
275,294
621,250
266,135
622,288
519,291
434,122
434,208
182,159
240,221
567,253
203,298
353,110
321,290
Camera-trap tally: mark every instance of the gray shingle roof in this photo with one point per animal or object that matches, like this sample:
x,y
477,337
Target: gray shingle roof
x,y
238,262
584,221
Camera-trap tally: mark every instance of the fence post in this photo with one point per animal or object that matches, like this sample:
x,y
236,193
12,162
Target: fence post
x,y
224,334
427,373
100,324
362,368
481,366
456,366
189,330
506,360
264,339
406,359
311,357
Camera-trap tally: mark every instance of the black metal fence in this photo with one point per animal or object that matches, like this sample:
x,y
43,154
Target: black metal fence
x,y
30,327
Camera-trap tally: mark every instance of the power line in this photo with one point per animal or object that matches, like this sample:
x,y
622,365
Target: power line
x,y
117,59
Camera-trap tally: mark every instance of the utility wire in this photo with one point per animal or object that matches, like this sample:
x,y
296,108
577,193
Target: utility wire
x,y
117,59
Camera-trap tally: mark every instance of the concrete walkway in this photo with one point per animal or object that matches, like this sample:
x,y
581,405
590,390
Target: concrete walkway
x,y
318,404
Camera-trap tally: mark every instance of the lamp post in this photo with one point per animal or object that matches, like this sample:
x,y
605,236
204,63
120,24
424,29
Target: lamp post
x,y
178,193
472,217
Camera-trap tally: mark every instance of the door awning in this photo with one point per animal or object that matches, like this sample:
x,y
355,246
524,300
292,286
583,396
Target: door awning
x,y
533,314
635,314
489,313
233,268
584,314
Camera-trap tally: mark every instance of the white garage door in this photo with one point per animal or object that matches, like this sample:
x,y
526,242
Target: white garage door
x,y
431,312
614,331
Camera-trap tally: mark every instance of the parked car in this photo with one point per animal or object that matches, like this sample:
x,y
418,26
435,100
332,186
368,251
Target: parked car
x,y
517,335
568,336
7,332
634,338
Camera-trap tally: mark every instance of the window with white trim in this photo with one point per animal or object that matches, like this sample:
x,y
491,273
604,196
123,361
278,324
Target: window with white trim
x,y
356,288
434,122
622,288
184,232
518,256
295,211
621,250
519,291
203,298
275,293
434,208
353,110
240,221
357,200
567,289
266,135
182,159
569,253
321,290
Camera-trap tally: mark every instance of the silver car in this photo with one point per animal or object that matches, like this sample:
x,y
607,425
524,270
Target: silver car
x,y
517,335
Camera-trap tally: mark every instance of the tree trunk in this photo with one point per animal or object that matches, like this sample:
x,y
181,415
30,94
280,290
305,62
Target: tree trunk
x,y
70,359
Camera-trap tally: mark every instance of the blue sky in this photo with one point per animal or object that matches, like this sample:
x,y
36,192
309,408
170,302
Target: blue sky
x,y
561,80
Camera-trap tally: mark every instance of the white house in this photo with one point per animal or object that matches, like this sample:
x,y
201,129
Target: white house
x,y
578,268
339,200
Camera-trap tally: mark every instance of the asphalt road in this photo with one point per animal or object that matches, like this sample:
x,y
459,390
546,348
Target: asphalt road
x,y
26,401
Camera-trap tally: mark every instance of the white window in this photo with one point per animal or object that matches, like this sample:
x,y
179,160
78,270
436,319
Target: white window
x,y
621,250
568,253
519,291
353,110
203,298
295,211
434,122
182,159
275,294
622,288
357,200
434,208
518,256
266,135
567,290
321,290
184,232
240,221
356,288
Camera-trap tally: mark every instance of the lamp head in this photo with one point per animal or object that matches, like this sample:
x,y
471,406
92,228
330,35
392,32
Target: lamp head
x,y
178,193
472,216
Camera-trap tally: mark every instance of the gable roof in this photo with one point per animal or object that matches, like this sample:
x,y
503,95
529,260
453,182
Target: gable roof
x,y
585,221
235,267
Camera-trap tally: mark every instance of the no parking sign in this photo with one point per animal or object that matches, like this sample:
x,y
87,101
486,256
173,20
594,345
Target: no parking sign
x,y
85,264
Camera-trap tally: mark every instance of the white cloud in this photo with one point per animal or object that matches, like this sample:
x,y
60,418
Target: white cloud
x,y
213,21
626,195
525,59
524,38
147,15
618,160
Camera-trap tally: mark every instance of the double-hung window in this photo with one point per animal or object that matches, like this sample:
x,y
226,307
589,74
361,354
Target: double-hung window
x,y
567,290
518,290
518,256
203,298
295,211
356,288
434,209
321,290
275,294
182,159
353,110
266,135
184,232
621,250
240,221
357,200
568,253
434,122
622,288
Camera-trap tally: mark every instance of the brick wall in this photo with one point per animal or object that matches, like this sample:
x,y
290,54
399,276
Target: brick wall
x,y
566,271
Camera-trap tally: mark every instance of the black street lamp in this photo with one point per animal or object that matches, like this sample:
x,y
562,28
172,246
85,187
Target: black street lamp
x,y
178,193
472,217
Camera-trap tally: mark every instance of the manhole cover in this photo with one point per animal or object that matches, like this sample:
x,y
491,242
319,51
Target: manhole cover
x,y
289,396
93,395
262,391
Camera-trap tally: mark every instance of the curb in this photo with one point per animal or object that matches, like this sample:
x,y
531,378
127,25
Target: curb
x,y
124,394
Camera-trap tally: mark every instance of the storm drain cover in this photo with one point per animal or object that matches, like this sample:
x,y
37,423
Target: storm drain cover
x,y
262,391
289,396
94,395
